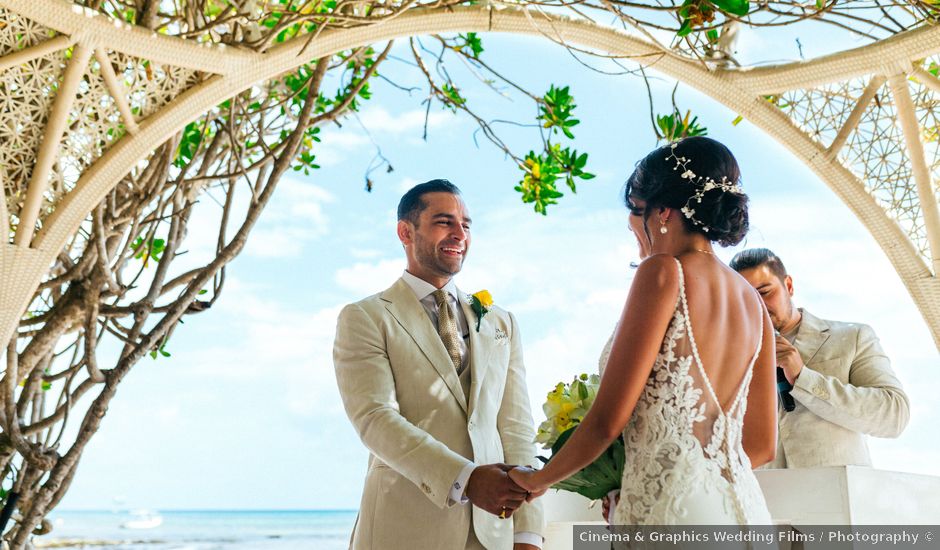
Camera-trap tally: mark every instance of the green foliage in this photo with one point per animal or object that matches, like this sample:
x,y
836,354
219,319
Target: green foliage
x,y
189,143
452,97
696,13
470,44
598,478
556,110
296,84
542,172
156,353
778,101
674,126
305,162
356,67
152,249
736,7
934,69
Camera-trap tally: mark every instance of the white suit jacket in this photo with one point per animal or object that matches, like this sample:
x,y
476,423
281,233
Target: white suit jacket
x,y
403,396
845,391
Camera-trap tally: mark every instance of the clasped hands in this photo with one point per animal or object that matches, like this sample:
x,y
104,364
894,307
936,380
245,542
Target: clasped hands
x,y
500,489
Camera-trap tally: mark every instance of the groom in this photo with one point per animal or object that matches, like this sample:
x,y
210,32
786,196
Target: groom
x,y
438,396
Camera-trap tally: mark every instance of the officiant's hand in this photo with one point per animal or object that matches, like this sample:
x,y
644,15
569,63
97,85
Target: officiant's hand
x,y
491,489
526,478
788,358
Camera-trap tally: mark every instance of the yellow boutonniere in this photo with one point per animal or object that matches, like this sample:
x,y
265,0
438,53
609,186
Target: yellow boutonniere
x,y
480,303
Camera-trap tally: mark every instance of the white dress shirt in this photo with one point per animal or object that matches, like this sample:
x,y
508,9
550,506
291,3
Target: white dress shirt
x,y
424,291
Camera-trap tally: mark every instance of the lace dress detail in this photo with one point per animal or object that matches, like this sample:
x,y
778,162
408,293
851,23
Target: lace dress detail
x,y
685,463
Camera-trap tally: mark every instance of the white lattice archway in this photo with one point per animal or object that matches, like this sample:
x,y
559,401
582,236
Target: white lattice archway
x,y
71,127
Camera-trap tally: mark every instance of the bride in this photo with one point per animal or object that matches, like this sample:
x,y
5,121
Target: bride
x,y
689,379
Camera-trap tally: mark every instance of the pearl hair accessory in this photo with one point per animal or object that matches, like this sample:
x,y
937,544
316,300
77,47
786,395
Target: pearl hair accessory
x,y
702,184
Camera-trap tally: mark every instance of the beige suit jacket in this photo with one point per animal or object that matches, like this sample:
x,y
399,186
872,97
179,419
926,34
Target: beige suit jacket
x,y
404,398
845,391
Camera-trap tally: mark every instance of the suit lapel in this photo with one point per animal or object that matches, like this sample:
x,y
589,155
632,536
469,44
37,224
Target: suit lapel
x,y
481,346
408,311
811,336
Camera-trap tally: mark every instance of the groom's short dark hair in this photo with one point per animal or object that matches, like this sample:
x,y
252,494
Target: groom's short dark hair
x,y
756,257
411,204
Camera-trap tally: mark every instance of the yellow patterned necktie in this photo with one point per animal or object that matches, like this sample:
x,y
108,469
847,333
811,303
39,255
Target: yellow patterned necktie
x,y
447,328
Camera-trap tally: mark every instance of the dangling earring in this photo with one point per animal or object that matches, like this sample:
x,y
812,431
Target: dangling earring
x,y
662,227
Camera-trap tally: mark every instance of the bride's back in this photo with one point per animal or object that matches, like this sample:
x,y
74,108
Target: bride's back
x,y
725,316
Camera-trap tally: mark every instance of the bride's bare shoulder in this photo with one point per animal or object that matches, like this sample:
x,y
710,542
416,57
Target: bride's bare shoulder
x,y
659,271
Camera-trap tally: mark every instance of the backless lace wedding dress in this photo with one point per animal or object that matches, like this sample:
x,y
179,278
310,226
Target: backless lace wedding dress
x,y
685,464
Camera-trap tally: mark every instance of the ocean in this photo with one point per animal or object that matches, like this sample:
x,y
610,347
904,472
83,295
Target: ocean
x,y
203,530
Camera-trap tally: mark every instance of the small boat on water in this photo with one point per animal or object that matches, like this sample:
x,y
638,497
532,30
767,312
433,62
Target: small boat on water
x,y
143,519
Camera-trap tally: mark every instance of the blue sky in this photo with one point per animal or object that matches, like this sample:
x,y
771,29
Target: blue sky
x,y
246,414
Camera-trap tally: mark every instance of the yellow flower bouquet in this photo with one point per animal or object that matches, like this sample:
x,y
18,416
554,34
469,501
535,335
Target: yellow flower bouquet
x,y
564,409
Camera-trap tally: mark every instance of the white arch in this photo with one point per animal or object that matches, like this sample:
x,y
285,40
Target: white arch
x,y
740,90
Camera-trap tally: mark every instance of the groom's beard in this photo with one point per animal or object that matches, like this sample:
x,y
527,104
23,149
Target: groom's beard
x,y
431,258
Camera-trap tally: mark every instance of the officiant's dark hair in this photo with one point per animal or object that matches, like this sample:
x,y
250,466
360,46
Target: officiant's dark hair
x,y
659,181
756,257
411,204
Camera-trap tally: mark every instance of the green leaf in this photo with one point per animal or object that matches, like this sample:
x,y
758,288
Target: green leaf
x,y
685,29
737,7
556,110
674,126
472,41
189,144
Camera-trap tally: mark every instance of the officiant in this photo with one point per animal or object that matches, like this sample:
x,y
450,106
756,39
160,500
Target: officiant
x,y
836,381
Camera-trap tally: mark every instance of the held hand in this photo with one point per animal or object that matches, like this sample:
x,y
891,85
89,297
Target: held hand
x,y
525,478
788,358
490,488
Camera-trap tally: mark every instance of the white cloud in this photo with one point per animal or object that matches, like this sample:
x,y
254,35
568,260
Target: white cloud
x,y
385,128
295,217
268,342
365,253
336,145
406,184
363,278
379,121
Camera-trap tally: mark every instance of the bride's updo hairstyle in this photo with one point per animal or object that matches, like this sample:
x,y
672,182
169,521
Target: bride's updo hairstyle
x,y
700,178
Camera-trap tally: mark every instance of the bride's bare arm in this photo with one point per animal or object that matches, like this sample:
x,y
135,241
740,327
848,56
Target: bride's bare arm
x,y
760,420
640,334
